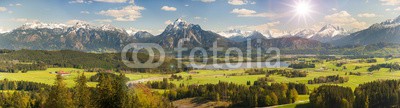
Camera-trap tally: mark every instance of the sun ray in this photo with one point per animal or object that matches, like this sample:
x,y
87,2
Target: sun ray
x,y
302,10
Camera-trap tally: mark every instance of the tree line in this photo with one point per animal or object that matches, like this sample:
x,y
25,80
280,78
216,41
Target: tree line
x,y
376,94
6,84
301,65
283,72
329,79
40,60
391,66
260,94
109,93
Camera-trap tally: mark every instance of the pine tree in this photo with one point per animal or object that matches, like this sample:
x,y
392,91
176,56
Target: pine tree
x,y
122,99
82,93
105,92
59,96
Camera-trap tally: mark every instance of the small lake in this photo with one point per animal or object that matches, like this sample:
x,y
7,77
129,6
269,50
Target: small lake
x,y
244,65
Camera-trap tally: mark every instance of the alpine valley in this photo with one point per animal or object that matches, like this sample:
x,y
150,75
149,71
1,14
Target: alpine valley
x,y
106,38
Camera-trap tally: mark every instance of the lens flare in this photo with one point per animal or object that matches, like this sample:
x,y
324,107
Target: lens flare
x,y
302,10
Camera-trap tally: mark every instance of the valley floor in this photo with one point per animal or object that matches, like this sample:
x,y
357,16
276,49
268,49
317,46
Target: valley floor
x,y
215,76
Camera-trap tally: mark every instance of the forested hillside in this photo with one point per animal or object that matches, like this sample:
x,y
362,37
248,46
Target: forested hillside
x,y
23,60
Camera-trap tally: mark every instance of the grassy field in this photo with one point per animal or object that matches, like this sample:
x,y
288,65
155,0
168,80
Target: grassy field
x,y
215,76
47,77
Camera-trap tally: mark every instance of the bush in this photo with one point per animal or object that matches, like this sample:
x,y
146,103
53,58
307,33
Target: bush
x,y
302,65
329,79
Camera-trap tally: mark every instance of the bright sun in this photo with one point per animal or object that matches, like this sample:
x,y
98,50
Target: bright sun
x,y
302,8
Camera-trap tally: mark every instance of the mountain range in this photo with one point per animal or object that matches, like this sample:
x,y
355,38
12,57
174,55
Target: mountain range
x,y
241,36
81,36
106,38
181,29
386,32
326,34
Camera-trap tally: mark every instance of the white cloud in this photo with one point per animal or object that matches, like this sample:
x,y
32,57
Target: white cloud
x,y
251,13
200,18
197,17
390,2
128,13
367,15
396,9
167,8
112,1
23,20
2,9
207,1
103,20
237,2
17,4
186,5
85,12
132,2
4,30
168,22
132,31
343,18
264,27
388,9
334,9
243,11
10,12
80,1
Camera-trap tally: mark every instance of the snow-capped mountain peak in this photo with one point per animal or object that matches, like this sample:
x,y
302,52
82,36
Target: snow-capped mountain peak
x,y
108,27
240,35
327,33
388,23
330,30
306,33
331,27
83,25
278,33
180,23
236,32
39,25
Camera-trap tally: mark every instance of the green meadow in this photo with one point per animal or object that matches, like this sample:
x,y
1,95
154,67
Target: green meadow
x,y
324,68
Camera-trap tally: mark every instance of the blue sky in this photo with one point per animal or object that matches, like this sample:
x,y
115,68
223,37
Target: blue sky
x,y
215,15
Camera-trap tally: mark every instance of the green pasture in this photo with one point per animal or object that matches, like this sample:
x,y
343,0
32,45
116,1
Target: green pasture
x,y
48,76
